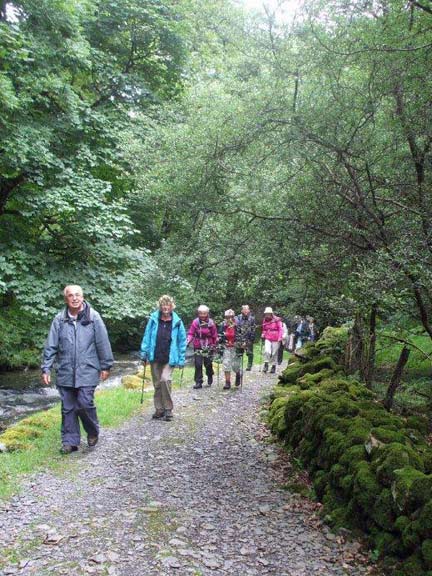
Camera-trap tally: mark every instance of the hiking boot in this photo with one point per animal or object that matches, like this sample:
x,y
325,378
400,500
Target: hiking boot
x,y
158,415
197,386
92,441
265,368
238,379
66,449
168,415
273,369
209,381
227,386
249,368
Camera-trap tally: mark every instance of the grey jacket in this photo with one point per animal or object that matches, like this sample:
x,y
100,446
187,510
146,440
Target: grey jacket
x,y
81,351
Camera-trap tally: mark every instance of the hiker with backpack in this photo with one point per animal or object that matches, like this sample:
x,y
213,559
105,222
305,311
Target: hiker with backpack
x,y
204,337
229,339
272,334
302,332
246,326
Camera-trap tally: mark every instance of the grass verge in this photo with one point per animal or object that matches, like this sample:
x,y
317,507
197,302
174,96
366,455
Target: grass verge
x,y
36,439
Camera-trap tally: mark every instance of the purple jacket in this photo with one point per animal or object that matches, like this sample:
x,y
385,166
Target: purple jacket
x,y
203,333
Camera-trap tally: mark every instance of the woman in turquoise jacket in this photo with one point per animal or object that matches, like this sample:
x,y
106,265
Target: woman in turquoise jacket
x,y
164,346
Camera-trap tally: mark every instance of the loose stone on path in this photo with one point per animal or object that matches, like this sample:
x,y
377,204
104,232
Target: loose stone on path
x,y
193,496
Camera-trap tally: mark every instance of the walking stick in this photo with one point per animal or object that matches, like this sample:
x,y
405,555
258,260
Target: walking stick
x,y
241,373
181,377
143,382
261,354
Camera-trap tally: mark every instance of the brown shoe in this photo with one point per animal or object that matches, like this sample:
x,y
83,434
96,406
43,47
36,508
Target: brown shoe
x,y
92,440
66,449
158,415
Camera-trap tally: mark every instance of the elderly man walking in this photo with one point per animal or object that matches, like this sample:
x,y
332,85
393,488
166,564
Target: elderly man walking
x,y
79,341
247,327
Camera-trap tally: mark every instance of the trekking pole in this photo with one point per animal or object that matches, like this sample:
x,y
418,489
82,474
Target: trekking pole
x,y
261,355
181,376
218,359
143,382
241,373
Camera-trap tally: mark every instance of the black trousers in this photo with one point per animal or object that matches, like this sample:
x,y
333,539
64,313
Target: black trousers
x,y
207,362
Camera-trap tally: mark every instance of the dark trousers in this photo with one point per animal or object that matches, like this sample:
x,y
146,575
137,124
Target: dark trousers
x,y
207,362
249,354
280,353
77,404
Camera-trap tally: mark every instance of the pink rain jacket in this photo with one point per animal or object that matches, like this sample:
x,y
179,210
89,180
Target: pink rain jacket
x,y
272,329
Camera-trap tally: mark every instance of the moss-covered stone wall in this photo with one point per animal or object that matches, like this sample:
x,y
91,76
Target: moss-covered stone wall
x,y
371,469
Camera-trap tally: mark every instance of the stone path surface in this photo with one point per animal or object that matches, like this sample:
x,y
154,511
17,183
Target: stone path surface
x,y
196,495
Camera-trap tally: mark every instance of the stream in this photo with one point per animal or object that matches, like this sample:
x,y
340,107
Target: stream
x,y
22,393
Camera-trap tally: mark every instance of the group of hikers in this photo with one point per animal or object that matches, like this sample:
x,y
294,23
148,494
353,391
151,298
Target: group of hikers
x,y
78,341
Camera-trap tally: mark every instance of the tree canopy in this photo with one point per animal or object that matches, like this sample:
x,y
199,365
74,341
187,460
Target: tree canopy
x,y
223,157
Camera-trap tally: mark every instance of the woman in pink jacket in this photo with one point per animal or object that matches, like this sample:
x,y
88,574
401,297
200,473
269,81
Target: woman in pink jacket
x,y
203,334
272,333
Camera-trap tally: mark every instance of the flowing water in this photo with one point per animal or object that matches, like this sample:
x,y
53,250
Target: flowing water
x,y
22,393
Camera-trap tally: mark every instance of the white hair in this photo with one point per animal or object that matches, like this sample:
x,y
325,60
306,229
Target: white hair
x,y
74,287
203,308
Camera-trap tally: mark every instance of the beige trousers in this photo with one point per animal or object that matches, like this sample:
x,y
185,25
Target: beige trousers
x,y
161,376
270,351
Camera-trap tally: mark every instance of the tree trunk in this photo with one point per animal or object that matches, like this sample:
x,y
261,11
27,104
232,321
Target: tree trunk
x,y
396,378
3,10
369,360
355,346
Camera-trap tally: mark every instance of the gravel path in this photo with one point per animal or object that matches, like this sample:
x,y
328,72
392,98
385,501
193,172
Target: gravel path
x,y
195,496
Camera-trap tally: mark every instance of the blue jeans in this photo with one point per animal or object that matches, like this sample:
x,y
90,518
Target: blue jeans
x,y
77,404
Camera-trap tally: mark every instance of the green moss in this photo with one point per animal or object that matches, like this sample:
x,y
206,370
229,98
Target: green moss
x,y
426,551
411,535
388,436
393,457
386,543
19,437
413,566
320,483
291,373
276,419
370,468
309,380
281,391
411,488
419,423
353,457
365,487
425,520
383,512
401,523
